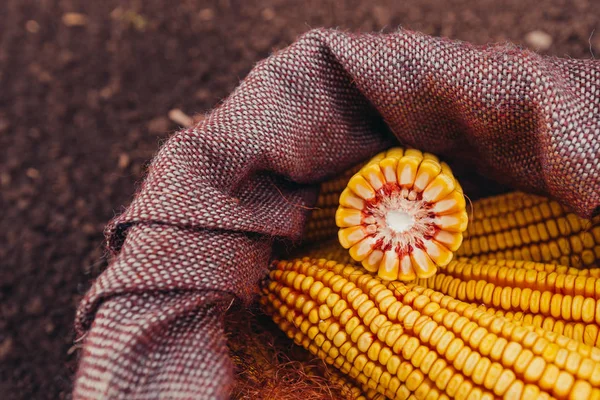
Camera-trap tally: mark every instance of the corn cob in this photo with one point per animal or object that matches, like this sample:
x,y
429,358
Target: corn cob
x,y
560,299
526,227
402,215
565,300
406,341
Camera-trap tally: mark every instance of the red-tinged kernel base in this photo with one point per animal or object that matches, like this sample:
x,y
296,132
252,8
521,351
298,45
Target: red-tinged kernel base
x,y
402,215
404,341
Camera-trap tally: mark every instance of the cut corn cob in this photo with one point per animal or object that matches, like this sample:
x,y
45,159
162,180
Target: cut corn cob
x,y
514,226
404,341
525,227
402,215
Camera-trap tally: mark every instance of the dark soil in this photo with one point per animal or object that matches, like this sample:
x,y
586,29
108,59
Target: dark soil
x,y
85,101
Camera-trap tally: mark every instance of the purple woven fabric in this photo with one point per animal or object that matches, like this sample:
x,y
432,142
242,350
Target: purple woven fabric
x,y
199,232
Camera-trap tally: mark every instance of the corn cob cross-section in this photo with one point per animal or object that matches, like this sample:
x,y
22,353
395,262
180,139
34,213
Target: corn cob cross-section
x,y
407,342
402,215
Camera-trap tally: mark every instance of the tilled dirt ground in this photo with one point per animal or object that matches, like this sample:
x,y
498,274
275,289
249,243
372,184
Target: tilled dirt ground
x,y
87,93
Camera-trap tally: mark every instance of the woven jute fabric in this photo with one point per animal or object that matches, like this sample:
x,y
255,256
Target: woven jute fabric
x,y
199,233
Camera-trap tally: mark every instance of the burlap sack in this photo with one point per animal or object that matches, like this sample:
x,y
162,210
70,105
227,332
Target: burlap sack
x,y
199,232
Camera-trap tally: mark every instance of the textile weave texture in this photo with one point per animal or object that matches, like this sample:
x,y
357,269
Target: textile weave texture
x,y
199,233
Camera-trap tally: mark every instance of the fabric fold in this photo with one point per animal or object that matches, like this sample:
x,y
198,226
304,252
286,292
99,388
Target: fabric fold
x,y
154,318
156,345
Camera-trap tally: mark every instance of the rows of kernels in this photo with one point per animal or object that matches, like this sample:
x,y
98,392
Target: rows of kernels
x,y
506,203
448,301
482,315
364,293
363,339
562,296
561,269
319,226
564,251
584,333
556,279
527,227
347,358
